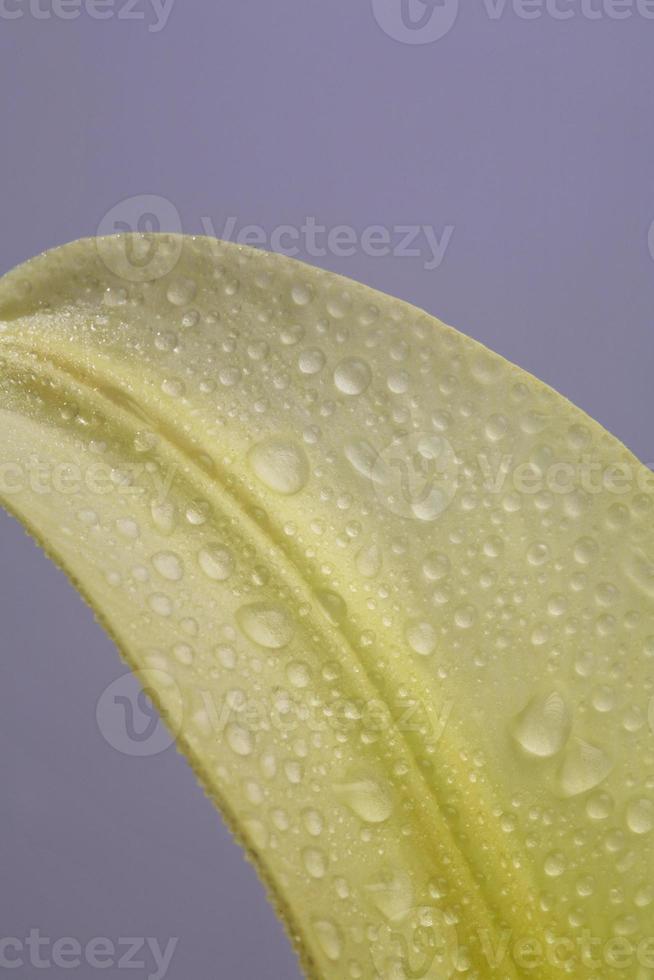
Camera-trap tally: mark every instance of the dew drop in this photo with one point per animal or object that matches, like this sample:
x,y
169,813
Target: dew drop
x,y
266,624
315,862
329,938
421,637
181,291
352,376
543,726
169,565
280,465
436,566
392,894
369,561
239,739
640,816
163,515
367,798
216,562
584,767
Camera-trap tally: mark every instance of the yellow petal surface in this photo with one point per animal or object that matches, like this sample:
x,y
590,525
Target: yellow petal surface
x,y
393,595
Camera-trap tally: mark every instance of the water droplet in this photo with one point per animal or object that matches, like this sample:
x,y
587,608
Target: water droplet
x,y
543,726
266,624
160,604
298,674
169,565
352,376
538,553
239,739
329,938
640,816
315,862
367,798
436,566
421,637
392,894
369,561
183,653
127,527
311,361
216,562
584,767
301,294
281,465
181,291
163,514
313,822
554,864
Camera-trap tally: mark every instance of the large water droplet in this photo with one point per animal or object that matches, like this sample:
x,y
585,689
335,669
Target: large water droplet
x,y
543,726
352,376
239,739
169,565
367,798
216,562
640,816
266,624
329,939
281,465
421,637
584,766
315,862
392,894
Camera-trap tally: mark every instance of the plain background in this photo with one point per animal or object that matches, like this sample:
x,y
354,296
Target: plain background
x,y
533,138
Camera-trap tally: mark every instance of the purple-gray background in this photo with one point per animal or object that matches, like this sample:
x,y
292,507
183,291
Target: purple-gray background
x,y
526,141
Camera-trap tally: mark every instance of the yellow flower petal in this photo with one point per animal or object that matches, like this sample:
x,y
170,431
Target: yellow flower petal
x,y
393,595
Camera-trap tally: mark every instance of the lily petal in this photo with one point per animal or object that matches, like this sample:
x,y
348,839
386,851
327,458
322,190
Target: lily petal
x,y
393,595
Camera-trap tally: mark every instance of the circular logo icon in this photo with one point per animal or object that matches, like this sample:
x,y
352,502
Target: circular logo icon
x,y
142,254
416,476
416,21
423,946
127,718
